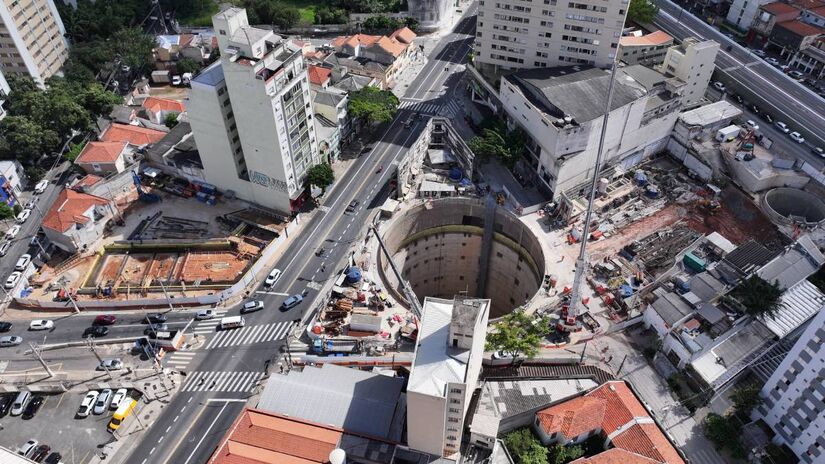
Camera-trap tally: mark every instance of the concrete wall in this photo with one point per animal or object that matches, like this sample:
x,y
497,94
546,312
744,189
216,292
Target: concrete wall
x,y
425,428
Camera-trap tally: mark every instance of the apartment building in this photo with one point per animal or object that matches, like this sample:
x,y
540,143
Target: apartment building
x,y
251,115
742,12
562,111
693,62
648,50
444,373
794,396
31,39
524,34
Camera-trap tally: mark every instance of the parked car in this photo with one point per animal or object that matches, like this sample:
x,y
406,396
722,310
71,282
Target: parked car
x,y
87,404
752,124
31,204
41,186
154,328
10,340
796,75
12,232
5,403
796,137
719,86
759,53
292,302
41,324
772,61
738,98
54,458
40,453
102,403
113,364
204,314
782,126
21,400
105,319
252,305
95,331
23,216
153,318
14,277
5,326
23,262
819,151
120,395
4,248
272,278
33,407
177,80
28,448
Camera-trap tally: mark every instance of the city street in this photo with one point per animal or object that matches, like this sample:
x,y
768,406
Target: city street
x,y
195,420
746,73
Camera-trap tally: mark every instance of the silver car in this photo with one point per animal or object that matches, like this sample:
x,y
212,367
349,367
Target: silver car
x,y
10,340
102,403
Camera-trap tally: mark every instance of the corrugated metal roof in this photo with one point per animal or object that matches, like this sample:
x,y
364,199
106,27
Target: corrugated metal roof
x,y
796,263
748,257
799,303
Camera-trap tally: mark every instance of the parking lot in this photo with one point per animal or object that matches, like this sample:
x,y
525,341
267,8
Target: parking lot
x,y
55,425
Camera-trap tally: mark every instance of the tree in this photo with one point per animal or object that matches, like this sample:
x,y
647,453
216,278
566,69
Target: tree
x,y
187,65
560,454
74,151
517,334
525,447
642,11
496,141
745,399
286,18
5,211
171,120
25,140
724,433
321,175
374,104
758,297
776,454
97,100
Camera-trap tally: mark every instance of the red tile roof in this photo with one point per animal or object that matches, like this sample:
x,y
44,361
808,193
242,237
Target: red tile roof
x,y
87,181
69,209
808,4
135,135
654,38
101,152
778,8
389,44
404,35
647,440
615,456
622,405
573,418
819,11
318,75
801,29
260,437
156,105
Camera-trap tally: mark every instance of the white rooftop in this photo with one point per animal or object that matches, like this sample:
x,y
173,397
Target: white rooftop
x,y
799,303
709,114
437,363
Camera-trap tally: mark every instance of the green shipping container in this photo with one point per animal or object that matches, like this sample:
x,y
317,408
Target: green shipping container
x,y
694,262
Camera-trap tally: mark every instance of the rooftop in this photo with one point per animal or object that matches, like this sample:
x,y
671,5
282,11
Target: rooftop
x,y
778,8
101,152
799,28
404,35
652,39
799,303
437,363
318,75
211,76
156,105
709,114
796,263
740,344
615,456
356,401
671,307
135,135
69,209
747,258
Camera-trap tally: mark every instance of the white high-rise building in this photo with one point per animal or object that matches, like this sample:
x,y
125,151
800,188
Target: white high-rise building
x,y
794,396
547,33
693,62
251,115
31,39
443,377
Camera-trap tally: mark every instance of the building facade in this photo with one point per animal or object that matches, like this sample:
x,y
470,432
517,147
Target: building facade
x,y
742,12
693,62
547,33
767,17
792,36
794,396
648,50
252,117
431,14
31,37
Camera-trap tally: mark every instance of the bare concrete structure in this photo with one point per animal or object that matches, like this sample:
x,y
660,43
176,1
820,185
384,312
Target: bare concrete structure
x,y
431,14
793,206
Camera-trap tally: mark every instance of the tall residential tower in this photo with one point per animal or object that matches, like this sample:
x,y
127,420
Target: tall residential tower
x,y
31,39
251,115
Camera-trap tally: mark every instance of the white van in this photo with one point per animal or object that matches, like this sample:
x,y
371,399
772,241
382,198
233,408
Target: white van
x,y
20,403
232,322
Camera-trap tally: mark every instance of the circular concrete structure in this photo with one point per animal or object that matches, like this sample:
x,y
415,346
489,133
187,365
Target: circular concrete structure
x,y
440,249
794,206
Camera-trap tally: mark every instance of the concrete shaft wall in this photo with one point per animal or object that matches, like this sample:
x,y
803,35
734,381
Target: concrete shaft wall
x,y
438,252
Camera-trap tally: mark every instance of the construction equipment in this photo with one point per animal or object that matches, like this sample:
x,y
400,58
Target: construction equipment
x,y
144,196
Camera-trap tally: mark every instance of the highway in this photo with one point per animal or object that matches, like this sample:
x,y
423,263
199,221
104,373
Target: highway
x,y
226,369
784,98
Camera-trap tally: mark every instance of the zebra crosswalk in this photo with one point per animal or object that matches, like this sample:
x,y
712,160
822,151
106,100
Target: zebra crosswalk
x,y
249,334
422,107
223,381
180,359
451,109
208,326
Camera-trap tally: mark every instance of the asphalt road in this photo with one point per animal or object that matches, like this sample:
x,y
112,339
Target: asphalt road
x,y
783,97
192,424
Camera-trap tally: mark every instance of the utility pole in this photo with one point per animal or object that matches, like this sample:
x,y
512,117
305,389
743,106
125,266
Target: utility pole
x,y
166,294
584,350
619,371
91,344
36,351
69,294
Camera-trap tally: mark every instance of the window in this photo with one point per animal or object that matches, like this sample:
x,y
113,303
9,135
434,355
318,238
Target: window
x,y
222,32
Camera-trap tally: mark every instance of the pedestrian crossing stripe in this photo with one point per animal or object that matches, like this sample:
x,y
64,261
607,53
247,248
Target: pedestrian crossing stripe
x,y
222,381
250,334
180,358
420,107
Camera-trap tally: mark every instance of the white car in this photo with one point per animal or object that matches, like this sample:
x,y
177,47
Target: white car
x,y
4,248
252,305
782,126
719,86
41,186
752,124
11,233
272,278
87,404
110,364
759,53
23,262
176,80
10,340
23,216
31,204
11,282
796,137
772,61
118,398
102,403
28,448
41,324
204,314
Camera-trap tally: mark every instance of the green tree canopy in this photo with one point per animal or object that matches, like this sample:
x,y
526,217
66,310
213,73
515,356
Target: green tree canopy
x,y
745,399
758,297
171,120
724,432
560,454
25,140
516,334
374,104
187,65
525,447
6,212
321,175
496,141
642,11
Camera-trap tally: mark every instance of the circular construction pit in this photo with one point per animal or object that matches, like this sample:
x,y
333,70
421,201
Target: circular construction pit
x,y
794,206
448,247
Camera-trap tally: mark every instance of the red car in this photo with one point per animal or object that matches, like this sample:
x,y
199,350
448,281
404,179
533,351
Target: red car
x,y
105,319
